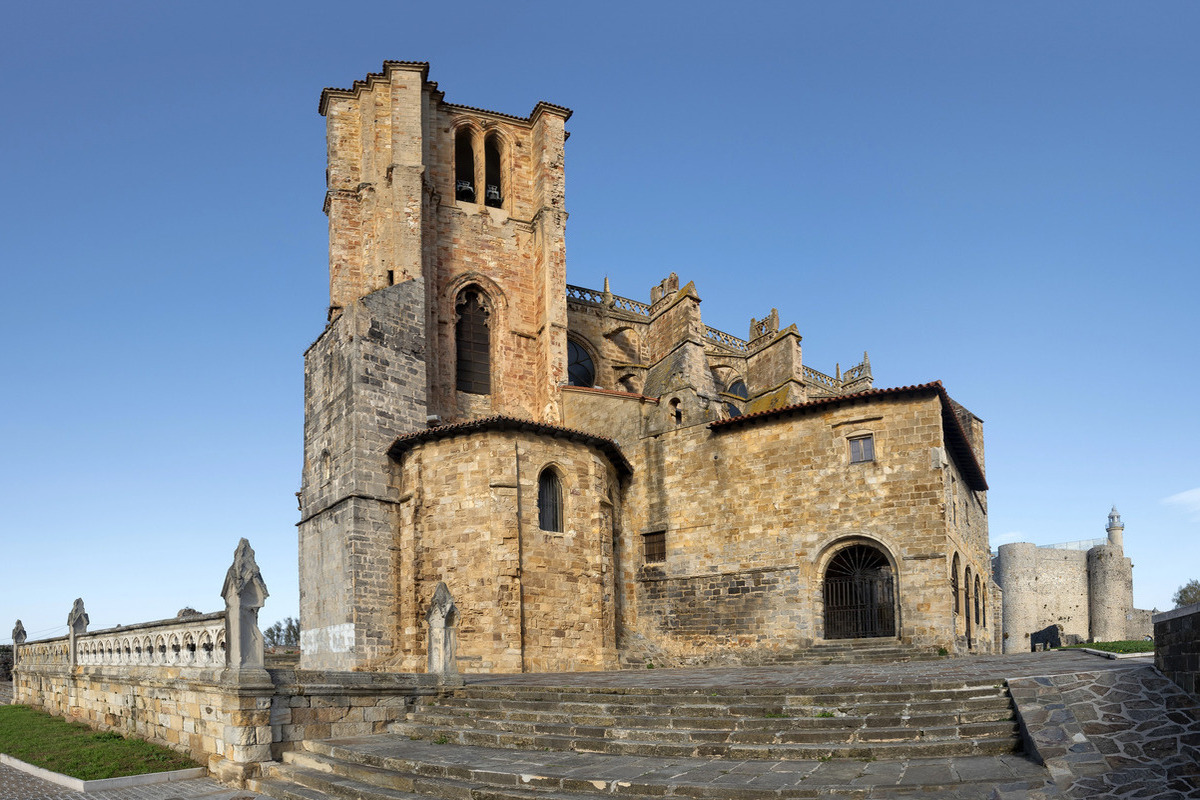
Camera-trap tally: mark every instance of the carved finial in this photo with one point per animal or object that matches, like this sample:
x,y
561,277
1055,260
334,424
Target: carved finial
x,y
837,372
866,361
242,571
78,620
18,634
606,289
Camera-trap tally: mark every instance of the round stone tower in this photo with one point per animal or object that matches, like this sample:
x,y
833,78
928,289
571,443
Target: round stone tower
x,y
1110,584
1016,572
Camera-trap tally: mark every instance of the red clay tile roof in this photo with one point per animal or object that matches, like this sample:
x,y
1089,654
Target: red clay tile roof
x,y
957,441
388,66
502,423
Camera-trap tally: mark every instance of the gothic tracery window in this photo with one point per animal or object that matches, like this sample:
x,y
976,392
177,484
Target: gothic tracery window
x,y
472,343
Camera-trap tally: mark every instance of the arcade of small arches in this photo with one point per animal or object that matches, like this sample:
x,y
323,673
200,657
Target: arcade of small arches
x,y
479,160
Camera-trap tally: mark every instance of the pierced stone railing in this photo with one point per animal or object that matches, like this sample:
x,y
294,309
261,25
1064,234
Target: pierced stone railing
x,y
47,652
586,295
189,642
593,297
725,339
854,373
821,379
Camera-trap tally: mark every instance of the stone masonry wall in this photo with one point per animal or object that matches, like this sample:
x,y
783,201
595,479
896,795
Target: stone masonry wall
x,y
1177,647
777,497
365,384
528,599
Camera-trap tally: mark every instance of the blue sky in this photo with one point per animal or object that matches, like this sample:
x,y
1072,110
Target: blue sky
x,y
1000,196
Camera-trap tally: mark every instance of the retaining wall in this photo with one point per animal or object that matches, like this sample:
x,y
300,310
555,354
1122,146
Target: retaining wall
x,y
1177,646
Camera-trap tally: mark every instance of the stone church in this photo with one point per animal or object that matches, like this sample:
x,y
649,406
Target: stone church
x,y
596,480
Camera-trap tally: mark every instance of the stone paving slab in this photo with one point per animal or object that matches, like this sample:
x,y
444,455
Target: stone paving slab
x,y
1127,733
968,670
17,785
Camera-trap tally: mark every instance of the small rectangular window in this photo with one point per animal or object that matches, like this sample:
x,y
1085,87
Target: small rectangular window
x,y
862,448
654,546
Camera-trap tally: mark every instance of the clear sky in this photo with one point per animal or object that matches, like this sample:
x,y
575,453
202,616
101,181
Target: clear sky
x,y
1001,196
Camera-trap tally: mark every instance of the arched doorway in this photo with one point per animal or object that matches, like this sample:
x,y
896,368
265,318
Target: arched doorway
x,y
860,594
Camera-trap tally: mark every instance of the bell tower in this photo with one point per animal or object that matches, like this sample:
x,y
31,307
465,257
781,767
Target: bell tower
x,y
447,302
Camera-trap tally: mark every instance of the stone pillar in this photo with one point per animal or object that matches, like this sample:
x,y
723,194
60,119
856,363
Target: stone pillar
x,y
246,704
77,623
244,592
18,637
442,618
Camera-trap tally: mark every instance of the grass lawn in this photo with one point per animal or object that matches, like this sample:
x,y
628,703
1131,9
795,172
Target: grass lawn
x,y
1132,646
76,750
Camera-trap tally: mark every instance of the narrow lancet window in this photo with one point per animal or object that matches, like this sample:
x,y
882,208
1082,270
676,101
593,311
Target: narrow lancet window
x,y
493,186
472,343
464,167
550,516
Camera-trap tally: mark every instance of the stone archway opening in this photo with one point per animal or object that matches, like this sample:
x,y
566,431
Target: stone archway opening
x,y
860,594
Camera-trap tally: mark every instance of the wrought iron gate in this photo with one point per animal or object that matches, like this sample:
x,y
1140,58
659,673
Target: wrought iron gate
x,y
860,597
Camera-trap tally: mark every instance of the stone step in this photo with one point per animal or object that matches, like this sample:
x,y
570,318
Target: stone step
x,y
845,728
392,768
901,716
987,741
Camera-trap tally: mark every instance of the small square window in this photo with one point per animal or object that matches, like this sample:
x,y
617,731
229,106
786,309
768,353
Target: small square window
x,y
862,448
654,546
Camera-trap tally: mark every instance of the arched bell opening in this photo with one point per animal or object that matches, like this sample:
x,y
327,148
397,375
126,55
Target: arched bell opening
x,y
859,594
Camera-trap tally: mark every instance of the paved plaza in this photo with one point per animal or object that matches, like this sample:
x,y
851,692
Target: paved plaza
x,y
1105,729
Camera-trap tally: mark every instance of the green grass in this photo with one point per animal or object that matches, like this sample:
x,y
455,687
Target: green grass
x,y
75,749
1133,646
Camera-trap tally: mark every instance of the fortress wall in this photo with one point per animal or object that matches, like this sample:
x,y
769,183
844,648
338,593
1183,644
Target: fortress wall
x,y
1110,592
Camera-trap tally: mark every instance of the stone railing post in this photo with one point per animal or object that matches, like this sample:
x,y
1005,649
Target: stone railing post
x,y
246,683
442,618
77,624
18,637
244,592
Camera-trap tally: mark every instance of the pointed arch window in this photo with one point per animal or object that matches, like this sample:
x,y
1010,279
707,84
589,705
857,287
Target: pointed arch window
x,y
493,185
550,511
738,388
464,166
580,369
977,614
954,588
472,342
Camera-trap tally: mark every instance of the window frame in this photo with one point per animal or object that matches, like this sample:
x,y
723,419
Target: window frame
x,y
654,547
550,496
858,439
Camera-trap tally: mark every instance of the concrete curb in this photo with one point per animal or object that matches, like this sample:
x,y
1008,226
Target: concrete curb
x,y
78,785
1106,654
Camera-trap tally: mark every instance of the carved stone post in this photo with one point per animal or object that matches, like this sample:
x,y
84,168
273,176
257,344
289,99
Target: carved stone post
x,y
77,623
443,633
244,592
18,637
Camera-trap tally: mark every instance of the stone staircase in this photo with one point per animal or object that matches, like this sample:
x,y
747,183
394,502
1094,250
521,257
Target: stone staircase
x,y
855,722
521,742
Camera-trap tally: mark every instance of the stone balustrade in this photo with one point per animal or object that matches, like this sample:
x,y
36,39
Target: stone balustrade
x,y
189,642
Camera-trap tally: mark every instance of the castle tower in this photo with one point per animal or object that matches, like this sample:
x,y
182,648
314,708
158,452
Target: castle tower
x,y
1116,530
447,302
1110,585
